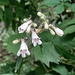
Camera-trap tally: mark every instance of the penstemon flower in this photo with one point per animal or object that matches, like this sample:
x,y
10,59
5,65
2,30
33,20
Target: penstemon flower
x,y
23,49
35,39
24,26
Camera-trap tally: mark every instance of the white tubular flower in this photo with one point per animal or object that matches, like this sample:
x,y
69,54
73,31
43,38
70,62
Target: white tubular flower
x,y
28,29
51,31
35,39
58,31
24,26
16,41
23,49
46,25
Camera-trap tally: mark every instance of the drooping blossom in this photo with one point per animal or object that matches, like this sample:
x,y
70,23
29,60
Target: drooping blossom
x,y
58,31
23,49
24,26
35,39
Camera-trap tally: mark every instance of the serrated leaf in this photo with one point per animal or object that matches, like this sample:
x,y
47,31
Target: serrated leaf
x,y
60,69
61,48
69,30
12,47
1,13
50,2
59,8
47,55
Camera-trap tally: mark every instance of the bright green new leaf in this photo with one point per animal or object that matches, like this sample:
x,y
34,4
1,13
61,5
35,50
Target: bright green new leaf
x,y
50,2
48,53
69,29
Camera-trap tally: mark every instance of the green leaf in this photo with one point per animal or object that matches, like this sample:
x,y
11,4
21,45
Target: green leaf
x,y
12,47
72,7
60,69
38,71
65,0
19,12
50,2
1,13
61,48
59,8
9,14
46,36
4,2
66,23
47,55
69,30
19,61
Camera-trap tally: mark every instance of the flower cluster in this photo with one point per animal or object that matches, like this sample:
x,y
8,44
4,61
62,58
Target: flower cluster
x,y
30,27
51,27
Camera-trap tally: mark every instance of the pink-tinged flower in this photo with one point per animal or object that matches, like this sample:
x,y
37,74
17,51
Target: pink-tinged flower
x,y
24,26
35,39
58,31
23,49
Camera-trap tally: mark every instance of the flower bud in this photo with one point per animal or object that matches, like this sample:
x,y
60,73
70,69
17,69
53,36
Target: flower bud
x,y
16,41
58,31
46,25
39,14
28,29
34,24
52,32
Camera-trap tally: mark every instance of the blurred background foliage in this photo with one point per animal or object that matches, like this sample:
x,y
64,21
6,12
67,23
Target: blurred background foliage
x,y
58,53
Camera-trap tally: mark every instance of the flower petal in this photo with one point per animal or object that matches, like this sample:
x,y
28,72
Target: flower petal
x,y
39,42
18,53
